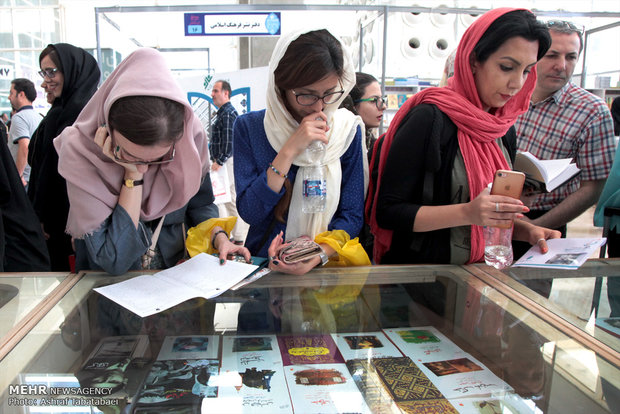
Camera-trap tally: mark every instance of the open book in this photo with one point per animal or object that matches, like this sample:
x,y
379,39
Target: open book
x,y
543,176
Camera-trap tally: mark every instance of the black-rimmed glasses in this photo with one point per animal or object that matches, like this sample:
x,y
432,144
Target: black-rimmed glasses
x,y
308,99
379,101
50,73
166,158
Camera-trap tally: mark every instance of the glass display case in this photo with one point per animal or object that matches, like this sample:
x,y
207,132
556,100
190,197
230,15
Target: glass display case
x,y
23,300
451,339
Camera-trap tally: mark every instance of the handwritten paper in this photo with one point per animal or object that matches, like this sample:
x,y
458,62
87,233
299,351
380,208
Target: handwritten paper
x,y
200,276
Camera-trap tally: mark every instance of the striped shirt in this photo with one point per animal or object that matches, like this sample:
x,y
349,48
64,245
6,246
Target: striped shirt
x,y
572,123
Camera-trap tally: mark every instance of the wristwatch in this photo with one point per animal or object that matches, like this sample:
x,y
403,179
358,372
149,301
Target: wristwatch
x,y
132,183
324,257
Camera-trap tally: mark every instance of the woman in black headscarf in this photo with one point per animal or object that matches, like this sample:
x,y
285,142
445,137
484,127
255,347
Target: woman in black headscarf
x,y
71,74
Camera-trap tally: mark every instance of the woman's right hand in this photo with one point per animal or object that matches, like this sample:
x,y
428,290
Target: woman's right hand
x,y
104,141
312,127
299,268
494,210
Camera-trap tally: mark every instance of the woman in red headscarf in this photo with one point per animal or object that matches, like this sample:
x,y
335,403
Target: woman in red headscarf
x,y
445,144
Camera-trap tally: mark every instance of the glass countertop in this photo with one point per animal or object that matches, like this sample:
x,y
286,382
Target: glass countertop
x,y
369,339
21,293
588,297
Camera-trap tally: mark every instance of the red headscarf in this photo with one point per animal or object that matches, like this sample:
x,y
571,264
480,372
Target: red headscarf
x,y
477,129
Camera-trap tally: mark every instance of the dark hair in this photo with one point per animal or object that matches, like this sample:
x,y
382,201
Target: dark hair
x,y
566,27
26,86
362,80
148,120
517,23
50,51
308,59
225,86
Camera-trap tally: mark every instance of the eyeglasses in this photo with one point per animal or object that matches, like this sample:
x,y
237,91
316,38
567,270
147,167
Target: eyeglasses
x,y
307,99
377,100
50,73
166,158
564,26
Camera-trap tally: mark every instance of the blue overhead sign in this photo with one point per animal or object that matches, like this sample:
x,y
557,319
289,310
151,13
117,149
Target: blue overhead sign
x,y
232,24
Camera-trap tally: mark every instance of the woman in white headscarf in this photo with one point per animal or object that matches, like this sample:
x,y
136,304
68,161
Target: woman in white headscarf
x,y
309,76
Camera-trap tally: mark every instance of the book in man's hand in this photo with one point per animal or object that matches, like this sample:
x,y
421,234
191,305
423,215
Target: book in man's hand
x,y
543,176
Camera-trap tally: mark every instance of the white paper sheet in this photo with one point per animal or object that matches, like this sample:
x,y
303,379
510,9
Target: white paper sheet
x,y
562,254
200,276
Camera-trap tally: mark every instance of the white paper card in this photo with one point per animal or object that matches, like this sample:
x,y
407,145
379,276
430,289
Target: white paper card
x,y
562,254
200,276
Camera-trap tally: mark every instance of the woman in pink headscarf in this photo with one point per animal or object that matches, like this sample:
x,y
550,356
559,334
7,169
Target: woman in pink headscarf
x,y
444,145
136,163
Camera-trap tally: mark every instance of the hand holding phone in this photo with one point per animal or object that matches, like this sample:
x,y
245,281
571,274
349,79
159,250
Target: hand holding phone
x,y
508,183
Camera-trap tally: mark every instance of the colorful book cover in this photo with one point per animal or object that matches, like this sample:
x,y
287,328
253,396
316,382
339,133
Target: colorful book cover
x,y
189,347
424,344
309,349
178,385
251,377
412,391
463,377
369,384
107,363
323,388
365,345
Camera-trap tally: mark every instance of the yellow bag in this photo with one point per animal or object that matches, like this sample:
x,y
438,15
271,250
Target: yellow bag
x,y
350,252
199,237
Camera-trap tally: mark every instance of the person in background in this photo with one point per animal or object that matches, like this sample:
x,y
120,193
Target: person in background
x,y
71,75
615,114
566,121
136,164
221,150
369,103
444,145
5,120
25,122
309,76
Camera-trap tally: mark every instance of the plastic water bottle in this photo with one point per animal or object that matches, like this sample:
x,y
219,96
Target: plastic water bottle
x,y
498,247
314,186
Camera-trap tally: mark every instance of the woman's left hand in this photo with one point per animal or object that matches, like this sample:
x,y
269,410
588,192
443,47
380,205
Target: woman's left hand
x,y
227,249
534,235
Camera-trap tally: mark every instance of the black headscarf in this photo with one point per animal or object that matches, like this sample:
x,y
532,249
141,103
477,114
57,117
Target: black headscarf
x,y
22,246
47,189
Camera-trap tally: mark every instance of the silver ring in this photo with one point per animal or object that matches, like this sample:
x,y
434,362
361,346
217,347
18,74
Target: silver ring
x,y
497,207
272,258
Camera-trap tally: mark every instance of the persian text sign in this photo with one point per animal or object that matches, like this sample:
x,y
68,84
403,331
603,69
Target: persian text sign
x,y
232,24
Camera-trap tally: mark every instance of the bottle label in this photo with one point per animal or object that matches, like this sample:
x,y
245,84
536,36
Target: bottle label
x,y
314,188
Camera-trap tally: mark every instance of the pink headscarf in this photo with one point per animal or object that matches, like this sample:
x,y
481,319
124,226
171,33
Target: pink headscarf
x,y
477,129
94,180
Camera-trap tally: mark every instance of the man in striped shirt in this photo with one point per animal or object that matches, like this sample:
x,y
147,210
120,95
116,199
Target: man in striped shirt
x,y
566,121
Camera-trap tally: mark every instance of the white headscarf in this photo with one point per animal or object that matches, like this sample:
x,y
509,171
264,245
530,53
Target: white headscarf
x,y
280,125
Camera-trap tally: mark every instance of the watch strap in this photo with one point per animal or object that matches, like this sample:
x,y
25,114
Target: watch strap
x,y
324,257
132,183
